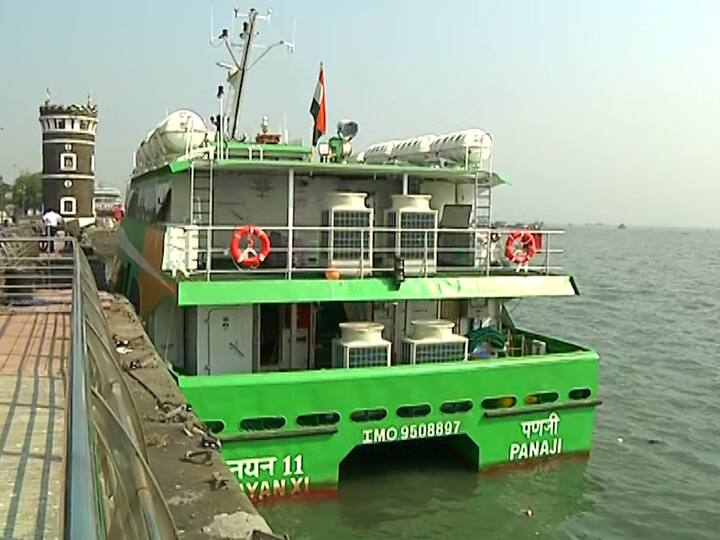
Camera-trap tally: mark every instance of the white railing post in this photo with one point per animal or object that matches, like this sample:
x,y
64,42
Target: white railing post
x,y
290,220
547,253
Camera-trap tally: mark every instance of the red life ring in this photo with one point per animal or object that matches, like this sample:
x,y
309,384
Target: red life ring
x,y
249,257
524,252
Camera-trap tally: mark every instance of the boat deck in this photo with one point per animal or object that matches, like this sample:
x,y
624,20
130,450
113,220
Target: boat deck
x,y
34,349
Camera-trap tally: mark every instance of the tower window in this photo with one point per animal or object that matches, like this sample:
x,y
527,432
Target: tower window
x,y
84,125
68,206
68,162
61,124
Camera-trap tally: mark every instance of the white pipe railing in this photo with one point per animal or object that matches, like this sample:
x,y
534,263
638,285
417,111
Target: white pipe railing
x,y
425,248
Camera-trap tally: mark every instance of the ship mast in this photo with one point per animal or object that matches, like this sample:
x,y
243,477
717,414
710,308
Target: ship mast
x,y
238,70
247,38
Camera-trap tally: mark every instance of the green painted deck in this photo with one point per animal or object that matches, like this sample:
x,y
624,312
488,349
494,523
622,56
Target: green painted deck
x,y
34,348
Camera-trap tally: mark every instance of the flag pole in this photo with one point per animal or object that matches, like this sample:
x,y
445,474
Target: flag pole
x,y
318,110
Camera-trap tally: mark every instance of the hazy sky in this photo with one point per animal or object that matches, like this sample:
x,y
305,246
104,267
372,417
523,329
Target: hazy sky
x,y
601,111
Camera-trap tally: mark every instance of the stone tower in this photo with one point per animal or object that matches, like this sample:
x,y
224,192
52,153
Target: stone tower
x,y
68,175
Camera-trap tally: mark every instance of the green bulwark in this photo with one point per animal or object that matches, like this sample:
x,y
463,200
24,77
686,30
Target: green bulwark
x,y
252,291
288,433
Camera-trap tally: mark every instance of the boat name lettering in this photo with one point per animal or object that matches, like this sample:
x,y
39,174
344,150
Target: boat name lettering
x,y
411,431
283,487
248,472
538,447
538,427
250,468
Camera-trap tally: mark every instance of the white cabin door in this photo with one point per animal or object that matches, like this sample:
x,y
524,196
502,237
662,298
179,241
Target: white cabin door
x,y
230,340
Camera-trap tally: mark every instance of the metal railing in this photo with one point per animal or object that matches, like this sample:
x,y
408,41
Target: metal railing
x,y
109,489
300,250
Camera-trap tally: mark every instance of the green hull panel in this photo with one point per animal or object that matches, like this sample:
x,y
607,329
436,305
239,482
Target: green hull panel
x,y
302,457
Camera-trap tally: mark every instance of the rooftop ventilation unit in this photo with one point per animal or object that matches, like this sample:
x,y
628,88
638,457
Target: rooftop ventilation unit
x,y
361,345
414,238
349,245
433,341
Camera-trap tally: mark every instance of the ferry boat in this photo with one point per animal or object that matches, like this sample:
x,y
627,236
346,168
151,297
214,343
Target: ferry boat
x,y
107,202
313,300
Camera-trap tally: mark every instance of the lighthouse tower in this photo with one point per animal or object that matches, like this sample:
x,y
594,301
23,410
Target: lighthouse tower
x,y
68,175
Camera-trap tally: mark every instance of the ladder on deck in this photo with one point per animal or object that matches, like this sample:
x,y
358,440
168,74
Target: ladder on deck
x,y
482,219
201,206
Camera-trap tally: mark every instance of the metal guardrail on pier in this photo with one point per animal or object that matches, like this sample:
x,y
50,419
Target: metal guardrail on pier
x,y
109,489
313,250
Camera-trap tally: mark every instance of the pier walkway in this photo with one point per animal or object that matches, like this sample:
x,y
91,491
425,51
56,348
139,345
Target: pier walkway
x,y
34,350
73,459
94,440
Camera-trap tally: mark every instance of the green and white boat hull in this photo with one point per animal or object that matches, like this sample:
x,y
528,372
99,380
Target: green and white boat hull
x,y
288,433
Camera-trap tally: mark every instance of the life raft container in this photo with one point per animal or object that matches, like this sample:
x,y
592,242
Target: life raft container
x,y
520,247
249,257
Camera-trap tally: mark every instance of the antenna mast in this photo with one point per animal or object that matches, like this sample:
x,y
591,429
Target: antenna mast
x,y
247,37
237,71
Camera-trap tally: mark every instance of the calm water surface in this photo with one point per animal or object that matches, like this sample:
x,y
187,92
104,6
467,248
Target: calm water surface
x,y
651,305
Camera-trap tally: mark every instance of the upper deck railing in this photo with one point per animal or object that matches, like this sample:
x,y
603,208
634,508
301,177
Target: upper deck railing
x,y
109,489
300,251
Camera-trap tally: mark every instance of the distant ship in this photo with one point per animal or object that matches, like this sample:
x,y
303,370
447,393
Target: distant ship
x,y
622,227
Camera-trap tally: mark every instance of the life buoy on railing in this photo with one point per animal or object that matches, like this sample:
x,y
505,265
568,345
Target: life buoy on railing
x,y
249,257
520,247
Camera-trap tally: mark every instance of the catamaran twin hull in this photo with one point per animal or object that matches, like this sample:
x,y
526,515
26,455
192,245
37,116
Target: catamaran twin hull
x,y
287,434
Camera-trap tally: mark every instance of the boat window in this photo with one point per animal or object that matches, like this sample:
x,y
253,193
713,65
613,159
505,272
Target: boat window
x,y
318,419
502,402
413,411
262,423
368,415
541,397
163,213
579,393
454,407
132,209
215,426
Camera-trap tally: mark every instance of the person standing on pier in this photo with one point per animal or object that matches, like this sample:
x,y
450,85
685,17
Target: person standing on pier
x,y
51,219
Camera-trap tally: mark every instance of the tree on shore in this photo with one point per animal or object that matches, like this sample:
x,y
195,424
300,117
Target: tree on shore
x,y
27,192
5,195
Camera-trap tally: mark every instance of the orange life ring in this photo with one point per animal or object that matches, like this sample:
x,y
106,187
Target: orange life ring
x,y
524,252
249,257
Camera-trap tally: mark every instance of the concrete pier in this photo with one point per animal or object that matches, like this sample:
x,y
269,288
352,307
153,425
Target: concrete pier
x,y
204,499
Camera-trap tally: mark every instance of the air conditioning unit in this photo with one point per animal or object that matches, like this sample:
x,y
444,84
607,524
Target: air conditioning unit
x,y
418,248
360,345
433,341
350,238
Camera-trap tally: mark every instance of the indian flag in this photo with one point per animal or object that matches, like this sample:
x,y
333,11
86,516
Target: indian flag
x,y
317,108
